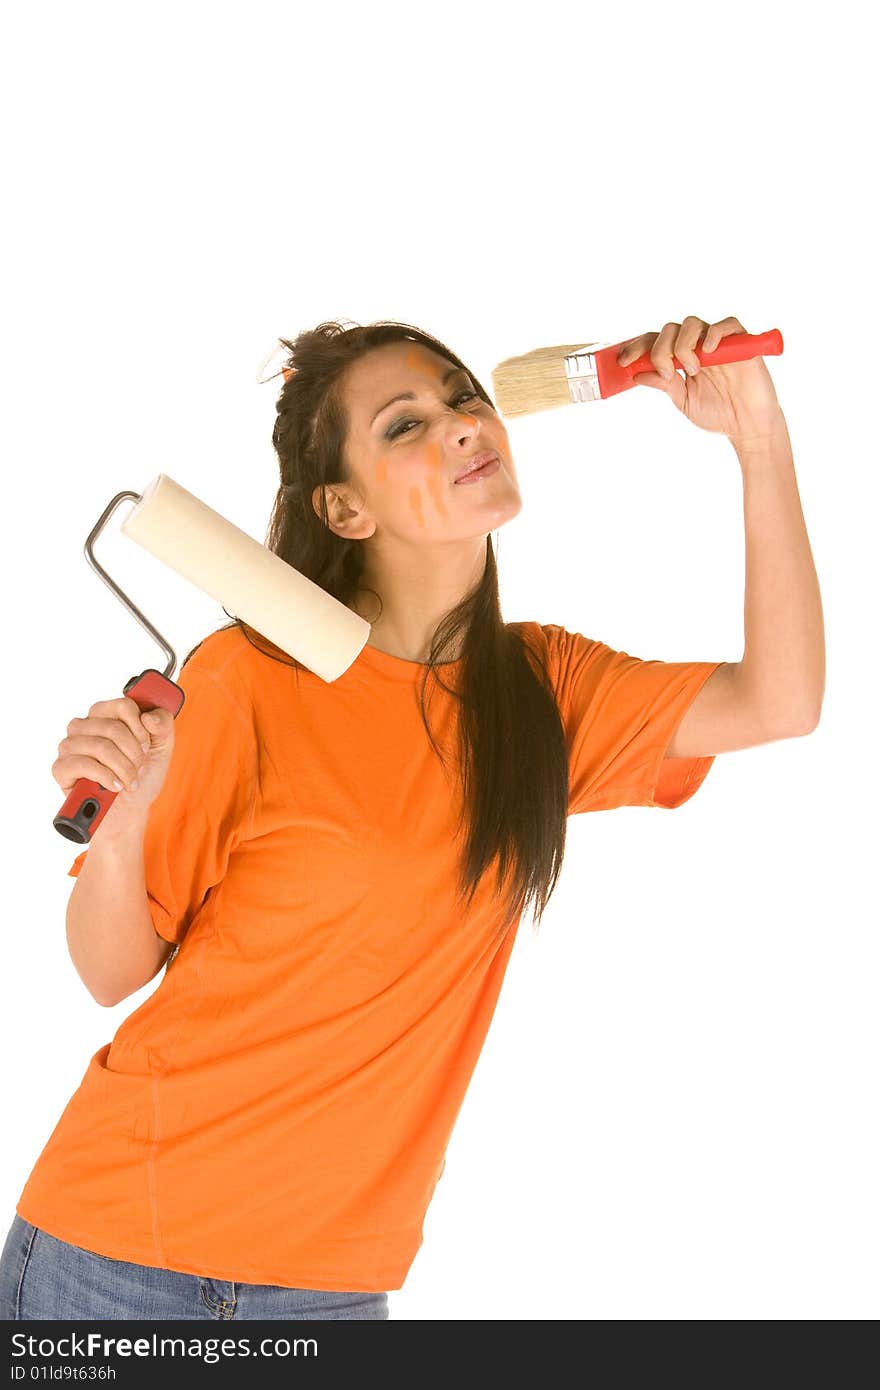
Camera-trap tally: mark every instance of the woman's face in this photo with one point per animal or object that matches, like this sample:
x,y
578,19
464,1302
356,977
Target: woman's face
x,y
404,456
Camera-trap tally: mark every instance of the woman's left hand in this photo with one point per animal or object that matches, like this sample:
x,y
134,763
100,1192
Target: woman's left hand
x,y
737,398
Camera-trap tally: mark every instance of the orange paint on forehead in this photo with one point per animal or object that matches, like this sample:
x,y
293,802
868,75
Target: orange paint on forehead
x,y
417,359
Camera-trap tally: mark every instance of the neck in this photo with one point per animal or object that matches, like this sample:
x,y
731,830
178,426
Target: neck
x,y
415,599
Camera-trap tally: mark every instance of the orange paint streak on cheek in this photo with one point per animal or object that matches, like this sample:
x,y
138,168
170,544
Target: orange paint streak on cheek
x,y
417,360
435,488
435,479
382,470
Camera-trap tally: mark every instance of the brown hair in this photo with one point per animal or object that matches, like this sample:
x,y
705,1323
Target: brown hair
x,y
512,751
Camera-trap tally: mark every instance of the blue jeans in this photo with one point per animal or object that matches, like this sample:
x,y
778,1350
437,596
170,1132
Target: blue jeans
x,y
43,1277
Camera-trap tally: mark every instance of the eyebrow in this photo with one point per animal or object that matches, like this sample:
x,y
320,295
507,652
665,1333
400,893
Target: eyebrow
x,y
411,395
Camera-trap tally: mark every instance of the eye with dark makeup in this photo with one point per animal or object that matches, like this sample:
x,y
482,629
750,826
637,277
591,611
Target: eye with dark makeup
x,y
397,428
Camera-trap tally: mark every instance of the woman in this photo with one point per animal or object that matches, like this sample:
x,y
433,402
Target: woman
x,y
334,879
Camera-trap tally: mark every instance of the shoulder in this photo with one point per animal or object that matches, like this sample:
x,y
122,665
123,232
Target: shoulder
x,y
537,635
213,654
554,644
237,664
549,649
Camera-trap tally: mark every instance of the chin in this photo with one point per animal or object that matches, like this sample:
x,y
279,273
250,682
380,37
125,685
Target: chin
x,y
509,512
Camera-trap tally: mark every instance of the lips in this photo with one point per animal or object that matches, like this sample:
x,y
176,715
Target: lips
x,y
476,462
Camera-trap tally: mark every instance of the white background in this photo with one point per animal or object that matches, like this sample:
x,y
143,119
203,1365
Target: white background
x,y
674,1114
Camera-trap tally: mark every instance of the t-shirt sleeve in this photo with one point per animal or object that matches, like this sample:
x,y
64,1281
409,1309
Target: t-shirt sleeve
x,y
619,713
206,802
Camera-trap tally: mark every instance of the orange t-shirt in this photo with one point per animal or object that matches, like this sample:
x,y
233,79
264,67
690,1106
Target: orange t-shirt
x,y
278,1110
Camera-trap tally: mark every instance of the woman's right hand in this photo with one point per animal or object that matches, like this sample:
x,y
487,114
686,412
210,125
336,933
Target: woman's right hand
x,y
113,744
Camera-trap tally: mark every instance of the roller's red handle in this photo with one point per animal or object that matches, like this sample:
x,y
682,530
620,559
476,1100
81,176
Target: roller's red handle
x,y
88,802
736,347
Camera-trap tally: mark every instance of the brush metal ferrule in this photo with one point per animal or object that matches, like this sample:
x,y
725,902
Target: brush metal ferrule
x,y
580,372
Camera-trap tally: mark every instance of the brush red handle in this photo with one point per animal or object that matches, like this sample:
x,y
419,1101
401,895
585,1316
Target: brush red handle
x,y
88,802
736,347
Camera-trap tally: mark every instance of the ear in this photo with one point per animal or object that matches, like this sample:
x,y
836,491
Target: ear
x,y
344,519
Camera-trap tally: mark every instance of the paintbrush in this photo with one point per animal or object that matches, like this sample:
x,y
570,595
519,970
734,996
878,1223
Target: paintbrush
x,y
571,373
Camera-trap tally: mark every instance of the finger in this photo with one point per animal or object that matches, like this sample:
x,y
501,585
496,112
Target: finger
x,y
101,753
123,751
632,348
133,747
713,337
686,340
131,715
126,711
91,768
721,329
674,387
661,352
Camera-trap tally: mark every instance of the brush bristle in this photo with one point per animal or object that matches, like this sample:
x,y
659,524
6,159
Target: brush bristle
x,y
536,381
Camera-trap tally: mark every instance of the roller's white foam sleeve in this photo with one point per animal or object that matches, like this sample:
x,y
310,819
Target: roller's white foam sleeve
x,y
246,578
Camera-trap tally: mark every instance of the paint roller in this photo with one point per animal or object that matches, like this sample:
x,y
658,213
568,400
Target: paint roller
x,y
247,579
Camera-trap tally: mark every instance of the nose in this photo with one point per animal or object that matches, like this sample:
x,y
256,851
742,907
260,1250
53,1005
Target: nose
x,y
462,425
